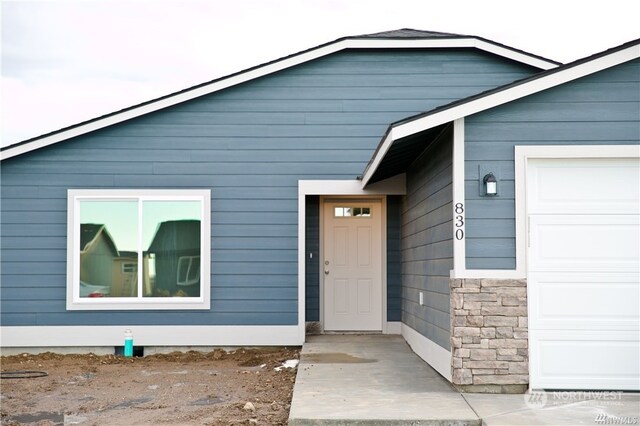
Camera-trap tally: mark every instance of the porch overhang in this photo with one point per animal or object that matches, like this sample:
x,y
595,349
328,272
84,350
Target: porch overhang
x,y
397,151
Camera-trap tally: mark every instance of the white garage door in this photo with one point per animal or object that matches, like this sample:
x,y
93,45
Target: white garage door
x,y
584,273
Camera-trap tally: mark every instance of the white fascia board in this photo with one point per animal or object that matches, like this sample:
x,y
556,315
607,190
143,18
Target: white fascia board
x,y
516,92
267,69
514,55
496,99
462,42
378,157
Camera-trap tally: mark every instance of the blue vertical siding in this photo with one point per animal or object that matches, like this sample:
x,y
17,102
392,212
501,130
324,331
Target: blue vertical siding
x,y
427,244
250,145
599,109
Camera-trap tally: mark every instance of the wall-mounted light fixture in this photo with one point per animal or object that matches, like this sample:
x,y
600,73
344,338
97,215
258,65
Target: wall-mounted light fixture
x,y
490,185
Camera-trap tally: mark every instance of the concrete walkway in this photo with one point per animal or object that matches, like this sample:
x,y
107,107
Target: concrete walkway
x,y
378,380
373,380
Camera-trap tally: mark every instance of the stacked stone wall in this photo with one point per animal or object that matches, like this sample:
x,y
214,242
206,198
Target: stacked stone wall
x,y
489,335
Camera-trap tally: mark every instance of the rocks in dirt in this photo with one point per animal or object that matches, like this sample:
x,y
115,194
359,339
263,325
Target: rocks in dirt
x,y
290,363
249,406
153,387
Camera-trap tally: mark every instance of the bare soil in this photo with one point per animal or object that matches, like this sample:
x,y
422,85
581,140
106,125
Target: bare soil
x,y
191,388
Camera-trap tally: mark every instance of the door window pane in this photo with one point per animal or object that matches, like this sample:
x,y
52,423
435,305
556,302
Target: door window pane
x,y
352,211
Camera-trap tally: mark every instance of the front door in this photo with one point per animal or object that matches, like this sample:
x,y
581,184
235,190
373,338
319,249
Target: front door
x,y
352,265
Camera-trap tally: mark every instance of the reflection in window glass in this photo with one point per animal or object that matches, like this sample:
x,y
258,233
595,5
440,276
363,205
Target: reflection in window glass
x,y
110,246
188,270
171,242
352,211
366,212
108,242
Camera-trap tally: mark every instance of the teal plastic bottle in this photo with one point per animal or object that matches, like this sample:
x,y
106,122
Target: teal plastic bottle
x,y
128,343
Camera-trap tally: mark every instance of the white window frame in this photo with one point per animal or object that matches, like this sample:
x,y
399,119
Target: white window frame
x,y
74,302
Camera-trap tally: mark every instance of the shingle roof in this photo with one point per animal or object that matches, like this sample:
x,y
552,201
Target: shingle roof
x,y
409,33
89,232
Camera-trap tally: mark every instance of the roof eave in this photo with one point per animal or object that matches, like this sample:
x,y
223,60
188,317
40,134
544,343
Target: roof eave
x,y
266,69
499,96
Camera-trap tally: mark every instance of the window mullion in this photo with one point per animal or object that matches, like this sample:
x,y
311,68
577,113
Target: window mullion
x,y
140,271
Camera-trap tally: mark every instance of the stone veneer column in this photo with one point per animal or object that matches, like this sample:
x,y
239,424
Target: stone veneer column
x,y
490,337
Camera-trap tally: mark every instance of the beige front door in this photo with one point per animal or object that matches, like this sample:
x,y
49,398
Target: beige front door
x,y
352,265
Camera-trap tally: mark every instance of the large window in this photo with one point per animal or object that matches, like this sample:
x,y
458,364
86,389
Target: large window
x,y
146,249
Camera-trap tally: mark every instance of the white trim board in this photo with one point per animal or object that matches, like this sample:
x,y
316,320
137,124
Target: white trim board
x,y
154,335
478,104
270,68
436,356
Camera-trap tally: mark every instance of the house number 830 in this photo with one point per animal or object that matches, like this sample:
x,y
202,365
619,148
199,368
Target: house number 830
x,y
459,220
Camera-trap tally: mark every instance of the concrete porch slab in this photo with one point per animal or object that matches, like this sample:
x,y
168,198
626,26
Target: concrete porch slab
x,y
557,408
371,380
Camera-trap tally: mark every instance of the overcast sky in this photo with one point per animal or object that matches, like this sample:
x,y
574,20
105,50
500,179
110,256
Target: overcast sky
x,y
68,61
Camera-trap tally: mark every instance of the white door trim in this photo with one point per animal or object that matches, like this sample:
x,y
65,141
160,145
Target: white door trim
x,y
393,186
383,207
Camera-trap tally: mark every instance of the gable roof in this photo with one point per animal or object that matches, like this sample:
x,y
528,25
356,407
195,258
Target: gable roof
x,y
404,130
398,39
89,233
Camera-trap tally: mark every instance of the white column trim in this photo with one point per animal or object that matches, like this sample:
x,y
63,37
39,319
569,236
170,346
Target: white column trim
x,y
459,248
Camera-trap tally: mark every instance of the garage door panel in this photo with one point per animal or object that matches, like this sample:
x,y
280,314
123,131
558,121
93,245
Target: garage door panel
x,y
583,273
579,301
584,243
585,360
576,186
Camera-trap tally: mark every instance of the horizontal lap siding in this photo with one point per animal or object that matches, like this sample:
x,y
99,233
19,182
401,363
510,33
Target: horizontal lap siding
x,y
601,109
426,243
250,145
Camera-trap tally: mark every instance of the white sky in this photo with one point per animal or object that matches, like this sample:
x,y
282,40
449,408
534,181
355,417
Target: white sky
x,y
68,61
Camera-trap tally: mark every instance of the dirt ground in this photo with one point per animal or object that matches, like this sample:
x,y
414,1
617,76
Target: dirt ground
x,y
189,388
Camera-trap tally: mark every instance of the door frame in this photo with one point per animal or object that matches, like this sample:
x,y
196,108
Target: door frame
x,y
396,185
383,225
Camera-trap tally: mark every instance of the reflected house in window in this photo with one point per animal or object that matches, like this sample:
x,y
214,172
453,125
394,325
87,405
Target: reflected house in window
x,y
104,271
125,274
172,261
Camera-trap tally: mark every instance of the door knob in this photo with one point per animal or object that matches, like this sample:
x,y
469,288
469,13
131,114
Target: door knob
x,y
326,272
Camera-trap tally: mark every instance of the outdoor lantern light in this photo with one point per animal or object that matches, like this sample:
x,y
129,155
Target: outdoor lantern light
x,y
490,184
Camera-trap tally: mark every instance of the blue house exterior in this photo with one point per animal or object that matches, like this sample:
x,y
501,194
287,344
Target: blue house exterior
x,y
328,198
